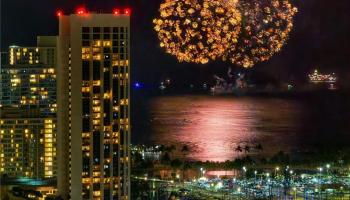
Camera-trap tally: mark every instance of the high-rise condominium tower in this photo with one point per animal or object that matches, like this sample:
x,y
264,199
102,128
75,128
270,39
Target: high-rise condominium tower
x,y
28,111
93,106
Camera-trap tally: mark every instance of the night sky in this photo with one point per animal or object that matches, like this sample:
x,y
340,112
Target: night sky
x,y
320,38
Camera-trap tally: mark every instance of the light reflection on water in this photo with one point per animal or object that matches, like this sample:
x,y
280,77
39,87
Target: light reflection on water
x,y
214,126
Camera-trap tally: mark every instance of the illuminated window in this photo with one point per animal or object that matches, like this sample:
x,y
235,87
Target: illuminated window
x,y
97,83
85,89
107,43
85,50
97,57
96,43
85,56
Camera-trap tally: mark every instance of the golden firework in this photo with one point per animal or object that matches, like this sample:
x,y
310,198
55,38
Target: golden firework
x,y
197,30
266,25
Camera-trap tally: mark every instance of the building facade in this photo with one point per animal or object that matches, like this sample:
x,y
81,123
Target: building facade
x,y
27,147
29,87
93,106
28,110
43,53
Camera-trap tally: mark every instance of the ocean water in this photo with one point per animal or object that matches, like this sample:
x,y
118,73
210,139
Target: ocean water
x,y
214,126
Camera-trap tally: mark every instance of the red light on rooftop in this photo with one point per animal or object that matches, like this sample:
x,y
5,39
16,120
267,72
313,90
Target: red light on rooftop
x,y
59,13
127,11
81,11
116,11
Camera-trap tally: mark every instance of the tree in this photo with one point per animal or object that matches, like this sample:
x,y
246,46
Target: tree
x,y
165,158
280,158
247,148
169,149
238,149
184,151
175,164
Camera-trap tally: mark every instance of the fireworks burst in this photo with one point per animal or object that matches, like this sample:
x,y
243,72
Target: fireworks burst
x,y
197,30
243,32
266,25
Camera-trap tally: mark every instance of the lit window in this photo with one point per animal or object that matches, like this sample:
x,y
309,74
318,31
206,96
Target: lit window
x,y
97,57
107,43
96,43
85,50
85,56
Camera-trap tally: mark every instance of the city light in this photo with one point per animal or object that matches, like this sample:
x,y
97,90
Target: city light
x,y
127,11
317,77
116,11
81,10
137,85
59,13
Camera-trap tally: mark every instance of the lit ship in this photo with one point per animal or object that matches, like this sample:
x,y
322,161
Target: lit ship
x,y
329,79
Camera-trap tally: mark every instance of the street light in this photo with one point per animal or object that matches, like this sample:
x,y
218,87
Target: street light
x,y
255,172
291,175
202,171
276,170
295,192
320,179
328,166
320,169
245,170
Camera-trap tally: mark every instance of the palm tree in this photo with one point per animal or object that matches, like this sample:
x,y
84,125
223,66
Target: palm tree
x,y
170,149
247,148
165,159
184,152
238,149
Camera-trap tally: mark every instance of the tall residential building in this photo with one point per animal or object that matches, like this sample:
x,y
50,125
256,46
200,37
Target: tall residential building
x,y
93,106
23,55
27,147
29,87
28,115
43,53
